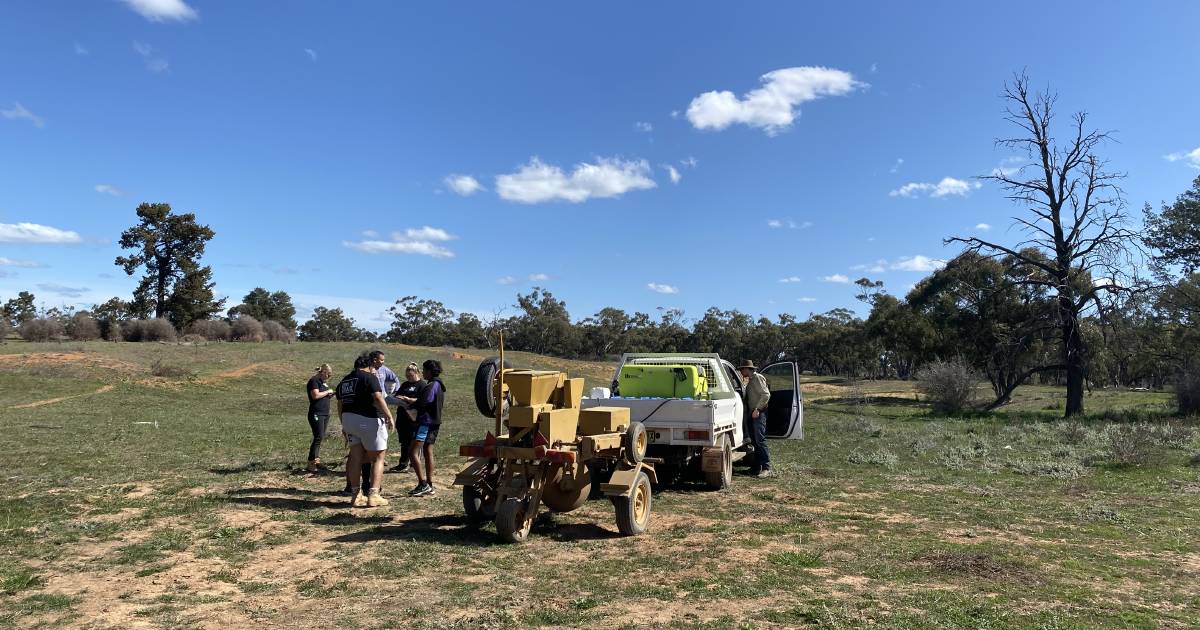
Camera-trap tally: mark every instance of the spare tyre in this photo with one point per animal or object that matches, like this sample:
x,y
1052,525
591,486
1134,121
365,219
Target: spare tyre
x,y
485,377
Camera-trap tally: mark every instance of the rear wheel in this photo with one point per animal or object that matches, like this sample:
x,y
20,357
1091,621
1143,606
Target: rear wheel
x,y
485,381
559,499
512,525
720,479
633,511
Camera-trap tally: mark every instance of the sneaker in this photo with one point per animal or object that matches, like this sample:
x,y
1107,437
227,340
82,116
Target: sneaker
x,y
417,491
426,490
399,468
766,472
344,492
313,466
374,499
359,500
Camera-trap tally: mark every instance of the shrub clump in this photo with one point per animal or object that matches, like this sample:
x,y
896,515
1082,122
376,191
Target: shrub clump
x,y
950,386
246,328
112,331
880,457
1046,468
158,368
4,329
148,330
83,327
210,329
1130,444
1187,393
41,330
274,331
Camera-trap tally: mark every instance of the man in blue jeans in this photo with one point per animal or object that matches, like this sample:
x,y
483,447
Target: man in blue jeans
x,y
756,395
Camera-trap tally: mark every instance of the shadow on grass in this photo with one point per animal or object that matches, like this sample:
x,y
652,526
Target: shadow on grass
x,y
455,529
247,467
291,491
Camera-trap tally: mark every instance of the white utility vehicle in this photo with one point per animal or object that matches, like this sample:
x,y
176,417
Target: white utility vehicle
x,y
705,435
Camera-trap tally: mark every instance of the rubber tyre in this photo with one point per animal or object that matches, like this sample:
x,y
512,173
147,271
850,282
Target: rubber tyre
x,y
511,524
476,506
633,511
635,441
719,480
485,376
559,500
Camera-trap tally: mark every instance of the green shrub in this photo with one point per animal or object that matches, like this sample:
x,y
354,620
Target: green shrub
x,y
1187,393
210,329
880,457
1046,468
41,330
83,327
274,331
1130,444
148,330
246,328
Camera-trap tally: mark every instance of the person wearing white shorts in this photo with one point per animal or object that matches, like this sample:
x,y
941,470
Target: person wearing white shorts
x,y
366,420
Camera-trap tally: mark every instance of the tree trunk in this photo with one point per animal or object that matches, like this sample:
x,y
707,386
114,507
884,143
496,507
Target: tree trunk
x,y
1074,355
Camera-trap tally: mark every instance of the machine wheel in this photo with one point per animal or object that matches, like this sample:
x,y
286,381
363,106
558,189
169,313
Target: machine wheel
x,y
485,378
511,522
479,507
720,479
635,442
560,500
633,511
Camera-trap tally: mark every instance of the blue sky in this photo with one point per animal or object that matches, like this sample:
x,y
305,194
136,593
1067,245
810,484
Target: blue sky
x,y
636,155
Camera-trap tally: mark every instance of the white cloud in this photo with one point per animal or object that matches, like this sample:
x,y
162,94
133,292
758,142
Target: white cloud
x,y
154,62
774,106
18,112
80,50
24,264
662,288
424,234
788,223
790,279
506,280
109,189
312,54
982,227
919,263
420,241
837,277
65,291
163,10
538,277
689,162
463,185
36,234
673,173
874,68
806,299
1008,166
370,234
947,186
1191,157
897,165
538,182
879,266
643,127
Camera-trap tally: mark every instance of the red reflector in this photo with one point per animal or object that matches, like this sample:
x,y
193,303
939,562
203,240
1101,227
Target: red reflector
x,y
697,435
561,457
540,440
489,439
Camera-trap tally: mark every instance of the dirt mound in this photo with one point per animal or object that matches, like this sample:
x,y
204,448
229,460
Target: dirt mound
x,y
68,358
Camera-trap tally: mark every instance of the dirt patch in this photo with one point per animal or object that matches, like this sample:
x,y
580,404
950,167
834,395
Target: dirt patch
x,y
967,563
466,357
68,358
51,401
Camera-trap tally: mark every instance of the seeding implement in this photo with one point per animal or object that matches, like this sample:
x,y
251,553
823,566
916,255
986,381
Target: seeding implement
x,y
546,450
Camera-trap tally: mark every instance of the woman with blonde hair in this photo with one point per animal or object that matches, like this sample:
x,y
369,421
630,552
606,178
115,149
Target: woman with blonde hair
x,y
319,394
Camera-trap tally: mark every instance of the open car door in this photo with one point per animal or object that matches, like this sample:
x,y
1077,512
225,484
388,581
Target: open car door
x,y
785,411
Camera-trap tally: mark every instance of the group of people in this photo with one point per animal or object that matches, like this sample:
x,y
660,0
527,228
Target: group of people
x,y
365,398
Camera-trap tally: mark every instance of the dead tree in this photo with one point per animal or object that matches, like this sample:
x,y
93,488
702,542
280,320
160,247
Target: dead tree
x,y
1076,219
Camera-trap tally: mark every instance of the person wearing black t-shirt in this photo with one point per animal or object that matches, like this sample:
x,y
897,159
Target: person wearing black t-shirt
x,y
366,420
406,416
429,420
319,394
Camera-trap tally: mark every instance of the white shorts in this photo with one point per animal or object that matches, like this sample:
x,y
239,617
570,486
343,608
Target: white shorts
x,y
371,433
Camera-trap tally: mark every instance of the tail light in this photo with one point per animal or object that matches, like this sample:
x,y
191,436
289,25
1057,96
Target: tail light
x,y
697,435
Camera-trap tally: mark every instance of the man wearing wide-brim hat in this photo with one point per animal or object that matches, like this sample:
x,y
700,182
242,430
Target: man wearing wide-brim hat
x,y
756,395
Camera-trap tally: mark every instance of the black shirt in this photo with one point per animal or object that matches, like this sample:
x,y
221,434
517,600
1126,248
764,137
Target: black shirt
x,y
319,406
357,393
409,389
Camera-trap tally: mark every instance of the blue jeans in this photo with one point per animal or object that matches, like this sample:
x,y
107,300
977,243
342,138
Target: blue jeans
x,y
758,437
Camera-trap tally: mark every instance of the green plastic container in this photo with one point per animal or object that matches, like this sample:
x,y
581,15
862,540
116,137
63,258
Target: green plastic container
x,y
662,381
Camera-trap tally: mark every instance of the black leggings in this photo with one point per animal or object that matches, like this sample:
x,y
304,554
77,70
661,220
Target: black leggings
x,y
318,424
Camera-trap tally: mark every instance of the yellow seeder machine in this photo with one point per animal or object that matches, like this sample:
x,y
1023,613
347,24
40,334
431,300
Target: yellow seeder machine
x,y
545,450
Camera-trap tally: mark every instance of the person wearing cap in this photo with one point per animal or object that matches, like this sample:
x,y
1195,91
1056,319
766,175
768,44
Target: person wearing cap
x,y
756,395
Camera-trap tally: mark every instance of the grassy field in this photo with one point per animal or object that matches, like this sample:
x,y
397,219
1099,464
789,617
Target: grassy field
x,y
132,500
